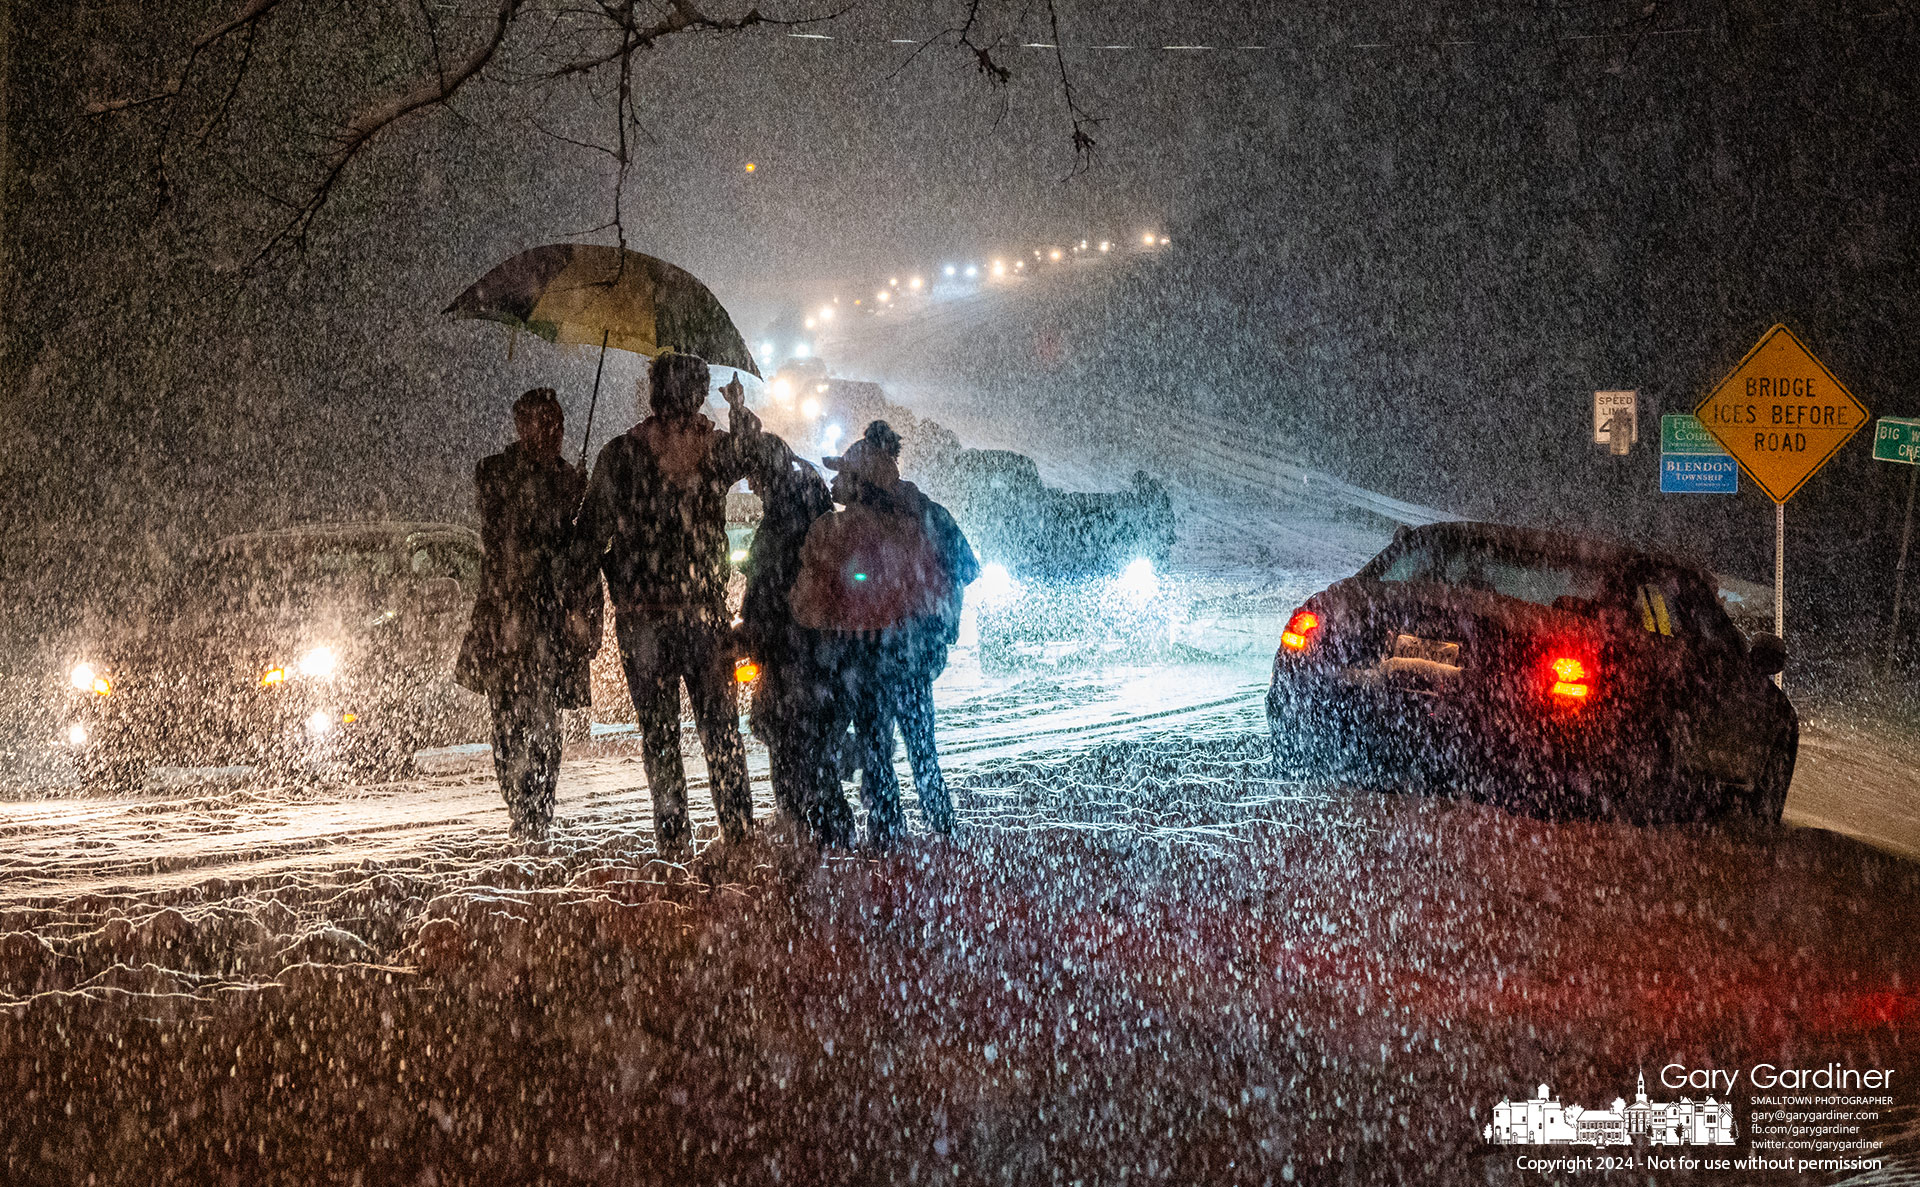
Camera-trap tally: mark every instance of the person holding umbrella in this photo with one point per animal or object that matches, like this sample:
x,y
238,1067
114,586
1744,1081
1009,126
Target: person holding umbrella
x,y
518,649
654,516
654,521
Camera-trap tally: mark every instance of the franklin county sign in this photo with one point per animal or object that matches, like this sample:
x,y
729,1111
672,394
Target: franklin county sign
x,y
1692,462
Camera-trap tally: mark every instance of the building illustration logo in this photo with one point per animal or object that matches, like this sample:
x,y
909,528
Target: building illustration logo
x,y
1541,1120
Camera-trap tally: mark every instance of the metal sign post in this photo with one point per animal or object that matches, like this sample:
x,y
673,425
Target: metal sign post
x,y
1897,439
1782,415
1779,580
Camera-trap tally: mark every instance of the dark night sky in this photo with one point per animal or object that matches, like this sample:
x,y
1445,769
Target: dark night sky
x,y
1471,216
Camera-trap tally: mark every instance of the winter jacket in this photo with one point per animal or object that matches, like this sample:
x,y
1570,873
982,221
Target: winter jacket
x,y
871,567
517,632
956,555
655,517
792,496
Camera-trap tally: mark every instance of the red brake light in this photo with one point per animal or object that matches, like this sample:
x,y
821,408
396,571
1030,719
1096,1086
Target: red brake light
x,y
1299,630
1570,680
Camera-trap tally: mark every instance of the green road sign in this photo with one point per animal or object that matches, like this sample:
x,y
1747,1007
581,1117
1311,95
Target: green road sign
x,y
1681,433
1896,439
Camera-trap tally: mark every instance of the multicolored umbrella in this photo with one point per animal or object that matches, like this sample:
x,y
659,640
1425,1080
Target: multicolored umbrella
x,y
591,295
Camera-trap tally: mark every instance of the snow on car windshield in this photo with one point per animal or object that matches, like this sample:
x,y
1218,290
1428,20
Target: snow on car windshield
x,y
1528,575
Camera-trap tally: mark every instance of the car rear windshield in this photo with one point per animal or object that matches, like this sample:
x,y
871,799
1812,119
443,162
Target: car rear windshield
x,y
1528,575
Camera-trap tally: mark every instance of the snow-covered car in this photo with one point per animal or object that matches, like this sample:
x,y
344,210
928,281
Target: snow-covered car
x,y
1043,533
1067,576
275,648
1545,671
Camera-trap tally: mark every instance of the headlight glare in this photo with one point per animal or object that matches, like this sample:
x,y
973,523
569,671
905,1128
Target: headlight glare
x,y
321,662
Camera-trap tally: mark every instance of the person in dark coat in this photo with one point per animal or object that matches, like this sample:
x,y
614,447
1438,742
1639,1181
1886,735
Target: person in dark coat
x,y
792,708
921,654
871,576
655,522
519,650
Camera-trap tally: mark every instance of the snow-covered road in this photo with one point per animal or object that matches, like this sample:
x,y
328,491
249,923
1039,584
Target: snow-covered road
x,y
1141,950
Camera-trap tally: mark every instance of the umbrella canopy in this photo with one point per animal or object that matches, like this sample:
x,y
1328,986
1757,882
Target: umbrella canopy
x,y
592,295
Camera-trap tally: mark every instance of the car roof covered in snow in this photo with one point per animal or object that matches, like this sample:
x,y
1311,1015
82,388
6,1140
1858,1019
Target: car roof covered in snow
x,y
1584,549
393,531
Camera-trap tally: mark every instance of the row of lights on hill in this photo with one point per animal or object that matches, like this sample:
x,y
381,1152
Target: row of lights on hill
x,y
998,268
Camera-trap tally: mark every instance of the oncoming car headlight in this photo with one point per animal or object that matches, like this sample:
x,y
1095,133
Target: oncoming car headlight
x,y
1138,579
320,663
87,678
995,586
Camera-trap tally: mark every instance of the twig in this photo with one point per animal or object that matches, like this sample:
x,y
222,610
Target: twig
x,y
1083,121
370,123
252,13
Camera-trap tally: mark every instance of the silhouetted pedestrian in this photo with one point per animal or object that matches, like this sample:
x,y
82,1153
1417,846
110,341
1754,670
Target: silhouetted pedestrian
x,y
792,708
654,520
920,657
869,574
518,650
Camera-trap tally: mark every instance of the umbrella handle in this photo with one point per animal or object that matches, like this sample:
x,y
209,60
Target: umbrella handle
x,y
594,404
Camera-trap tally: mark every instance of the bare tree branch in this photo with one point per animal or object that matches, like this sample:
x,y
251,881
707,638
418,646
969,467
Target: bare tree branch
x,y
225,107
1083,122
681,17
575,39
249,16
361,130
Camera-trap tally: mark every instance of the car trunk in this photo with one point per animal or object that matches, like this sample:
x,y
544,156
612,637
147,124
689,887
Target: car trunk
x,y
1473,647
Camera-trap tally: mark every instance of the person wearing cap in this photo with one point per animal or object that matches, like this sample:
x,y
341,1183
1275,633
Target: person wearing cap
x,y
518,650
869,575
654,522
922,656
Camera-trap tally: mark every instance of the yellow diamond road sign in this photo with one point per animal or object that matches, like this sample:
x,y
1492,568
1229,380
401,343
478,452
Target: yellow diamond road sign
x,y
1781,413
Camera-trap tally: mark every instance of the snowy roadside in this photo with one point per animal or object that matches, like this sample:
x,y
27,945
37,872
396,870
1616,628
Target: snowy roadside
x,y
1142,953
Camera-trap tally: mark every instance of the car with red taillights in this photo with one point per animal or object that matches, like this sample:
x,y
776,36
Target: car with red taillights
x,y
1551,673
